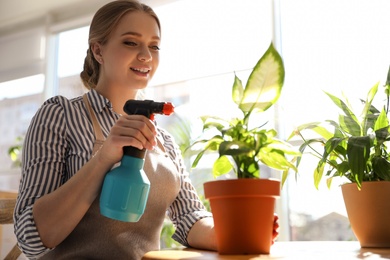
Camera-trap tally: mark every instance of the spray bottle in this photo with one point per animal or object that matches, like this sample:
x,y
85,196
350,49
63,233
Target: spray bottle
x,y
125,188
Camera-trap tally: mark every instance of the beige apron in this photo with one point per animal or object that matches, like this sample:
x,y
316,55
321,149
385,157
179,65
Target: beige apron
x,y
98,237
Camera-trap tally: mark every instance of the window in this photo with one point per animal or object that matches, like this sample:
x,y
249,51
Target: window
x,y
326,45
335,46
203,38
22,87
203,44
19,99
72,49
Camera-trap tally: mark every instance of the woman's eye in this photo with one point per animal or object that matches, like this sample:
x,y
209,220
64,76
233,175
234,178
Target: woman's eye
x,y
155,47
130,43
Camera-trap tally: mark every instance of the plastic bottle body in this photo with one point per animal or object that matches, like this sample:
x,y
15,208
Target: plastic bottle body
x,y
125,191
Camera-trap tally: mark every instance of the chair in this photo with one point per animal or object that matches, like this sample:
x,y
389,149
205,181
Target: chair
x,y
7,205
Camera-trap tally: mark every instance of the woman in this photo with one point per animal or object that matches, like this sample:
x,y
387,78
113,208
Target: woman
x,y
65,159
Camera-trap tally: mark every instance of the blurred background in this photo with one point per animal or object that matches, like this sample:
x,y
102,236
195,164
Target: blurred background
x,y
339,46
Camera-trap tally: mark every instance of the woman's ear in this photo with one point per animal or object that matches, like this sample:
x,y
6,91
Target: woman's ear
x,y
97,52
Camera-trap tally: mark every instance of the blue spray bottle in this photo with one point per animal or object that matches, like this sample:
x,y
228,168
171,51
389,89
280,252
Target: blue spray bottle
x,y
125,188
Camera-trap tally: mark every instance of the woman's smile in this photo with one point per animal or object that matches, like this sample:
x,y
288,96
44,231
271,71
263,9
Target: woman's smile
x,y
144,72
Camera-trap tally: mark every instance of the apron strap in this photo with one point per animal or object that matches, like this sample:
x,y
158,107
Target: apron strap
x,y
96,126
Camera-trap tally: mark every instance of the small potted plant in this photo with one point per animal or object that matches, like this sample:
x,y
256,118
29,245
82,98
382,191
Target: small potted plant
x,y
242,149
355,147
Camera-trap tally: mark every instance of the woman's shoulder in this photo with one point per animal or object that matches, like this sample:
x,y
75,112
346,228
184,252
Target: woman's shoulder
x,y
60,103
62,100
57,108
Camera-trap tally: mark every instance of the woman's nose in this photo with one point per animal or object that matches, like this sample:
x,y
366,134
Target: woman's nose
x,y
144,54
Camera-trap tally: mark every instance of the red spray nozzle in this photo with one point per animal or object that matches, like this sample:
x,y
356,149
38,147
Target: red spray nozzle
x,y
168,108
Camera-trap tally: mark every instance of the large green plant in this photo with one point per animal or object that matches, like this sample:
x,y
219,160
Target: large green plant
x,y
357,148
246,146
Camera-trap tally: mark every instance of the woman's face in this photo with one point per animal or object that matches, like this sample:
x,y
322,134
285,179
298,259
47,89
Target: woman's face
x,y
131,55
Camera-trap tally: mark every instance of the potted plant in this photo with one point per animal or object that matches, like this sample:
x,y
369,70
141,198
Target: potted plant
x,y
355,147
242,149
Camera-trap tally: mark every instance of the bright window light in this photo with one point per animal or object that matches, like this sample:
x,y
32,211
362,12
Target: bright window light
x,y
22,87
72,50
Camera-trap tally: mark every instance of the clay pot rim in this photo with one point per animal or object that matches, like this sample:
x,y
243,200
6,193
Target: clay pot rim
x,y
348,184
253,188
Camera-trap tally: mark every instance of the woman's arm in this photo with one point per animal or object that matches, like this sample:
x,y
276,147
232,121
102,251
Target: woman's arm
x,y
57,213
202,235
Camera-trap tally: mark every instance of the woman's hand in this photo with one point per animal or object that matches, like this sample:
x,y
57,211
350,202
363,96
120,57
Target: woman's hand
x,y
275,230
130,130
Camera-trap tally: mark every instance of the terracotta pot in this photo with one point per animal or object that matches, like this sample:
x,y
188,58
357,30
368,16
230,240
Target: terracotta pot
x,y
243,211
368,211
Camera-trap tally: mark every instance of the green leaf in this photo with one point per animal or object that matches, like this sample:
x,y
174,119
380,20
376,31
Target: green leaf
x,y
275,159
388,77
349,125
367,107
264,83
214,122
280,145
349,122
382,135
313,126
382,121
318,173
343,168
253,171
234,148
209,145
329,182
331,145
358,150
238,90
381,167
286,172
222,166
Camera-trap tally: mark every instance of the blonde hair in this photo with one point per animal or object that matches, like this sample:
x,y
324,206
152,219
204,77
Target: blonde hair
x,y
103,23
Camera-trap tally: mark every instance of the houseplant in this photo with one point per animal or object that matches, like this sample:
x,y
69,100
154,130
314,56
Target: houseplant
x,y
242,149
357,150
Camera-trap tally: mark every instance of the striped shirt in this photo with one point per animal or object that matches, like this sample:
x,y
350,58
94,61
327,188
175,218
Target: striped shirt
x,y
59,142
